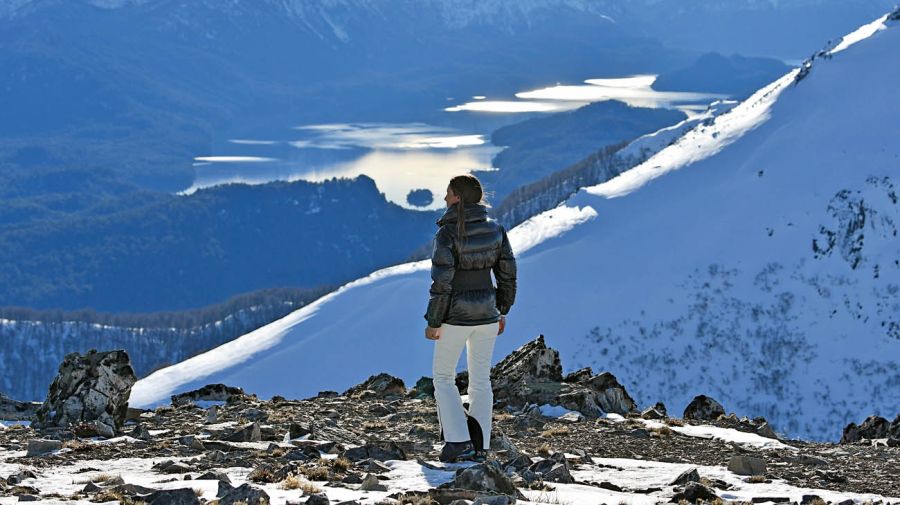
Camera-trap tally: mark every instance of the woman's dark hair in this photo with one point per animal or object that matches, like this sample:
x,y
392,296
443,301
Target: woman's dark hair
x,y
468,188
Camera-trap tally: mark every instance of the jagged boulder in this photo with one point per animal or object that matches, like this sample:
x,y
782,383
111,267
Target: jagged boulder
x,y
209,393
181,496
872,427
378,450
703,408
747,465
13,410
694,492
532,374
553,469
381,385
246,494
424,388
91,389
609,395
487,477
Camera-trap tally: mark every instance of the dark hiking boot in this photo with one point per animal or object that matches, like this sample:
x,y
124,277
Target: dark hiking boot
x,y
457,451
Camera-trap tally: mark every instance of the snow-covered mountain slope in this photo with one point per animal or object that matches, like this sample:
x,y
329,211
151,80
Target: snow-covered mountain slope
x,y
755,260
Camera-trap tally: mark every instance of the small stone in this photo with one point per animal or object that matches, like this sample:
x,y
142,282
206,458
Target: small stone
x,y
215,475
639,433
376,466
747,465
652,413
183,496
317,499
224,488
212,414
694,492
39,447
255,414
370,483
487,476
177,468
380,410
246,493
247,433
90,487
382,451
808,499
690,475
492,500
297,430
141,433
352,478
806,459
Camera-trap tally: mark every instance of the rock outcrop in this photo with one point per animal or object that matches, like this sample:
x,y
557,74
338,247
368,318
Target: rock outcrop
x,y
873,427
91,391
210,392
533,374
703,408
378,386
12,410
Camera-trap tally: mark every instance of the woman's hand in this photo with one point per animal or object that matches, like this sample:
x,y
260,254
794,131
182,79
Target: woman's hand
x,y
432,333
502,324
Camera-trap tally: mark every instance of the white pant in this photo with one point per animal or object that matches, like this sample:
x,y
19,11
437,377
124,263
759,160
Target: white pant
x,y
479,342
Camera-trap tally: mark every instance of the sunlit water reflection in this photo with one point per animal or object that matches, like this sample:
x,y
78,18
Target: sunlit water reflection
x,y
403,157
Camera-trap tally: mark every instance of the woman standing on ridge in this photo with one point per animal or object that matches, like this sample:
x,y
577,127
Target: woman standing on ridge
x,y
465,309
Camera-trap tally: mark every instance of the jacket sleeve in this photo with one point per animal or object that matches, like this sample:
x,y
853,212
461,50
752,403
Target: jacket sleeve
x,y
505,273
443,267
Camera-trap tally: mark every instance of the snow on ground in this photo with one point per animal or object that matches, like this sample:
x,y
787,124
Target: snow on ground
x,y
329,327
407,475
715,432
693,273
864,32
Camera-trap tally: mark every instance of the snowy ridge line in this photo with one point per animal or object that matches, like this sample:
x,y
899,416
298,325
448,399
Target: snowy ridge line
x,y
862,33
158,386
699,143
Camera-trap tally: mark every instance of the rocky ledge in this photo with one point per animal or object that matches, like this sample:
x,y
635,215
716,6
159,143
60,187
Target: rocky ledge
x,y
559,439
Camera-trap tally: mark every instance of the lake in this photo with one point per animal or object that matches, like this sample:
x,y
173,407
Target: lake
x,y
405,157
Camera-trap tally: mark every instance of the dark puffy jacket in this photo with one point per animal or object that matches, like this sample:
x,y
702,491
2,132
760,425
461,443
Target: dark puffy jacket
x,y
461,289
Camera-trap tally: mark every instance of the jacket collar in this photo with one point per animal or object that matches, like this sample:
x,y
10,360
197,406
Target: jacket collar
x,y
475,211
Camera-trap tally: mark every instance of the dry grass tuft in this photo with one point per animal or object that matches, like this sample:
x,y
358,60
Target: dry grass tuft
x,y
294,482
756,479
262,475
544,450
108,495
551,498
97,479
315,472
556,431
374,426
341,464
662,431
674,422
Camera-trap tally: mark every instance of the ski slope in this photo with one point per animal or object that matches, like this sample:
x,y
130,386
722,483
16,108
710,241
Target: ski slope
x,y
754,260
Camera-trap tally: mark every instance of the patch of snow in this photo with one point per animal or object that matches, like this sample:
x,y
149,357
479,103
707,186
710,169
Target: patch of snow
x,y
864,32
302,329
556,411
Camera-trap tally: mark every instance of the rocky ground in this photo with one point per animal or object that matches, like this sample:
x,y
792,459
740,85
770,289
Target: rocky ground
x,y
378,443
